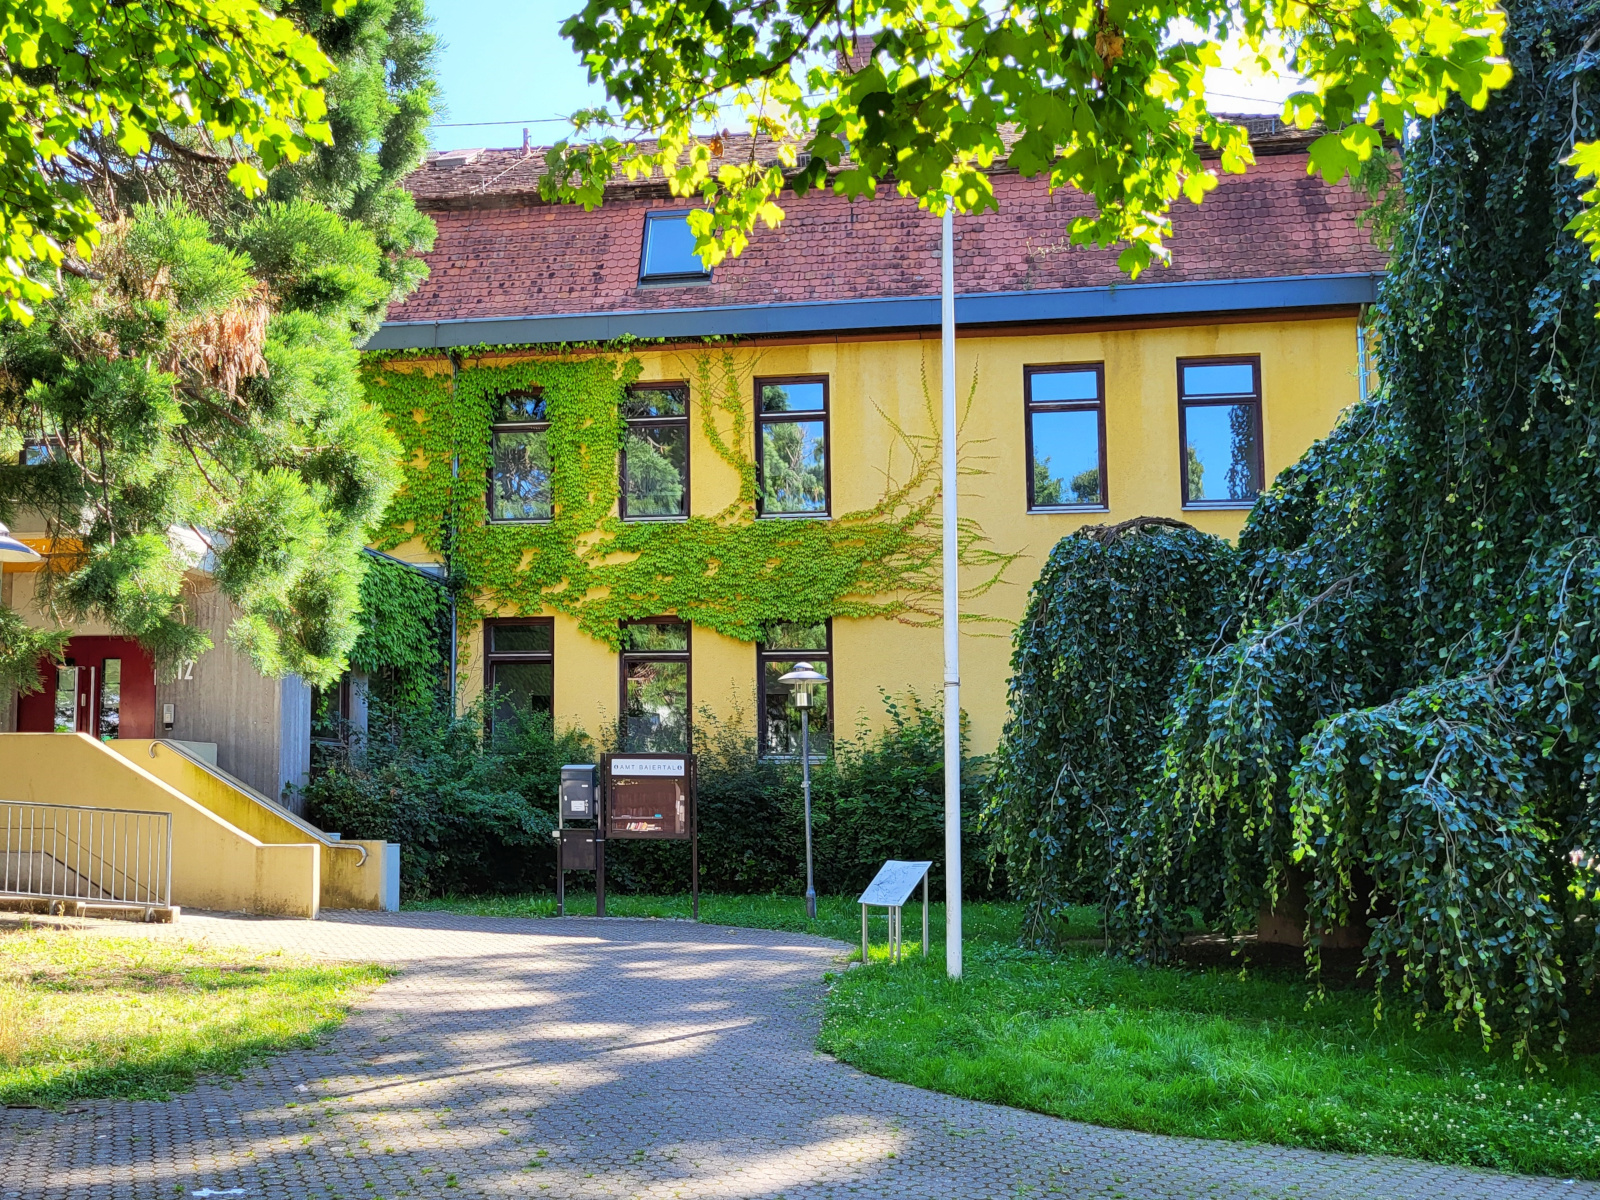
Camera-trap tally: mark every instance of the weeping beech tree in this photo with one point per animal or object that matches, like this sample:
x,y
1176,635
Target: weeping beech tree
x,y
1405,719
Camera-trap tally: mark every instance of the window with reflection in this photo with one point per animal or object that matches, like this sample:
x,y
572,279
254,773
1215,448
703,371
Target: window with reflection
x,y
1219,426
519,459
655,686
108,719
655,452
1066,436
519,671
784,644
668,254
792,446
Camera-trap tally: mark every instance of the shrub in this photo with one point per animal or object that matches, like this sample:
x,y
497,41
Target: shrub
x,y
476,818
1116,616
469,817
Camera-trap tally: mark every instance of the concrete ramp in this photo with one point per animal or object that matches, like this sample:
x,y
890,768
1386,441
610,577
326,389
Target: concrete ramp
x,y
354,874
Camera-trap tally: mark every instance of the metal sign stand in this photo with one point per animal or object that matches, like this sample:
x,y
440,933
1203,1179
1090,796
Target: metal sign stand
x,y
580,849
652,797
891,888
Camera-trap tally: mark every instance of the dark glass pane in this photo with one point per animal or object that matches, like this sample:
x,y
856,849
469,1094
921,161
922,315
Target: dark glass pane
x,y
655,466
110,699
1221,440
791,397
664,637
796,635
521,490
520,406
657,715
66,699
1063,385
521,689
655,402
669,247
1219,379
1066,457
780,733
521,639
794,467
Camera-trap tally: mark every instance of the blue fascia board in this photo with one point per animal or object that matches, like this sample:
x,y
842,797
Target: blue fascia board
x,y
1121,302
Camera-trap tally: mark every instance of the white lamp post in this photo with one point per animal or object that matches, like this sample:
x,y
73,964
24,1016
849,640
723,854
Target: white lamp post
x,y
803,681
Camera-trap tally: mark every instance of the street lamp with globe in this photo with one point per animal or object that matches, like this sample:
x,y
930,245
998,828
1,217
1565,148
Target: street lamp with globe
x,y
803,681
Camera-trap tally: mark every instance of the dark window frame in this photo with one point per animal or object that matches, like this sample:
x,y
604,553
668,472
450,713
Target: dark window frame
x,y
492,657
766,654
656,422
495,429
1230,400
678,277
686,657
1030,407
793,418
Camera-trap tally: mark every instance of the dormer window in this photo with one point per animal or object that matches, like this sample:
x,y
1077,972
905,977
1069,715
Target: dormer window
x,y
669,255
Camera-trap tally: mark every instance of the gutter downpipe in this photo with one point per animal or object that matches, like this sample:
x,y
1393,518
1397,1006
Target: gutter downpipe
x,y
952,601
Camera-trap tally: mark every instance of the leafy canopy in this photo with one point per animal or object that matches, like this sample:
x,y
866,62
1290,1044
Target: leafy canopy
x,y
190,403
1107,98
134,74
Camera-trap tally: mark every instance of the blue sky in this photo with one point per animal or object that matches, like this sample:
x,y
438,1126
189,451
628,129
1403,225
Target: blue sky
x,y
505,61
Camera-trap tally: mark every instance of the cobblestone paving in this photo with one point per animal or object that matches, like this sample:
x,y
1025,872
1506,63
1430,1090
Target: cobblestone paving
x,y
578,1059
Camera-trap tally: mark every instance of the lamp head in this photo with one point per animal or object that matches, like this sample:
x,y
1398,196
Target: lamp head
x,y
803,681
12,550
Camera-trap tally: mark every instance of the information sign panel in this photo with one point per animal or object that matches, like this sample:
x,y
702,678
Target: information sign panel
x,y
649,796
892,886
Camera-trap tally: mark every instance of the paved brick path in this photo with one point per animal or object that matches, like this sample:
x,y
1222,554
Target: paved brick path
x,y
576,1059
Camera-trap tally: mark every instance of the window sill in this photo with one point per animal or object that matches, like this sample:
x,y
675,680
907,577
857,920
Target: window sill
x,y
521,520
1220,506
688,281
761,516
656,520
1069,510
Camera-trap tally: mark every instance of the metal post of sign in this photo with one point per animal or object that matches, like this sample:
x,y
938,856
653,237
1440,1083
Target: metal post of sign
x,y
694,837
863,935
602,793
952,605
924,916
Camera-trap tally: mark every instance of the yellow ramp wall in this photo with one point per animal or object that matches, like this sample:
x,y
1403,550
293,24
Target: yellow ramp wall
x,y
215,864
347,880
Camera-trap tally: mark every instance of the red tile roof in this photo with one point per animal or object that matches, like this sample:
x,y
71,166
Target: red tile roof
x,y
502,252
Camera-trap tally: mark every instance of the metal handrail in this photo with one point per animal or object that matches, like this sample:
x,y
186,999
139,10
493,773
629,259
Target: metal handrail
x,y
240,785
69,852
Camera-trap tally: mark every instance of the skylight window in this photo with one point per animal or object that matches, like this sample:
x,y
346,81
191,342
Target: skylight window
x,y
669,255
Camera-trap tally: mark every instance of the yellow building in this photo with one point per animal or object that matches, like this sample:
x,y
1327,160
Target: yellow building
x,y
1089,399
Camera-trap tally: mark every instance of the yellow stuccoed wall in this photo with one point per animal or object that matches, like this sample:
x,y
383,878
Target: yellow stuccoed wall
x,y
1308,375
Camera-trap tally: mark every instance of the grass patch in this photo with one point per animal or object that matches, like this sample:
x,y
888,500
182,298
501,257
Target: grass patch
x,y
1212,1053
837,916
83,1017
1217,1052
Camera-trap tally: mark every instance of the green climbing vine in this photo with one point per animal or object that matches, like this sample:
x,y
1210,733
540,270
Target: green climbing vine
x,y
404,626
725,571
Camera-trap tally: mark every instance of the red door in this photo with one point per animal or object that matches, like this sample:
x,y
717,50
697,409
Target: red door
x,y
107,689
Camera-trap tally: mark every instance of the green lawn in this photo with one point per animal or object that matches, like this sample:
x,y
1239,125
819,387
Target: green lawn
x,y
136,1018
1217,1052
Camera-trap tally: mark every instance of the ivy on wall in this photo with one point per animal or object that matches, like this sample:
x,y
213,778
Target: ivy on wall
x,y
726,571
404,630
